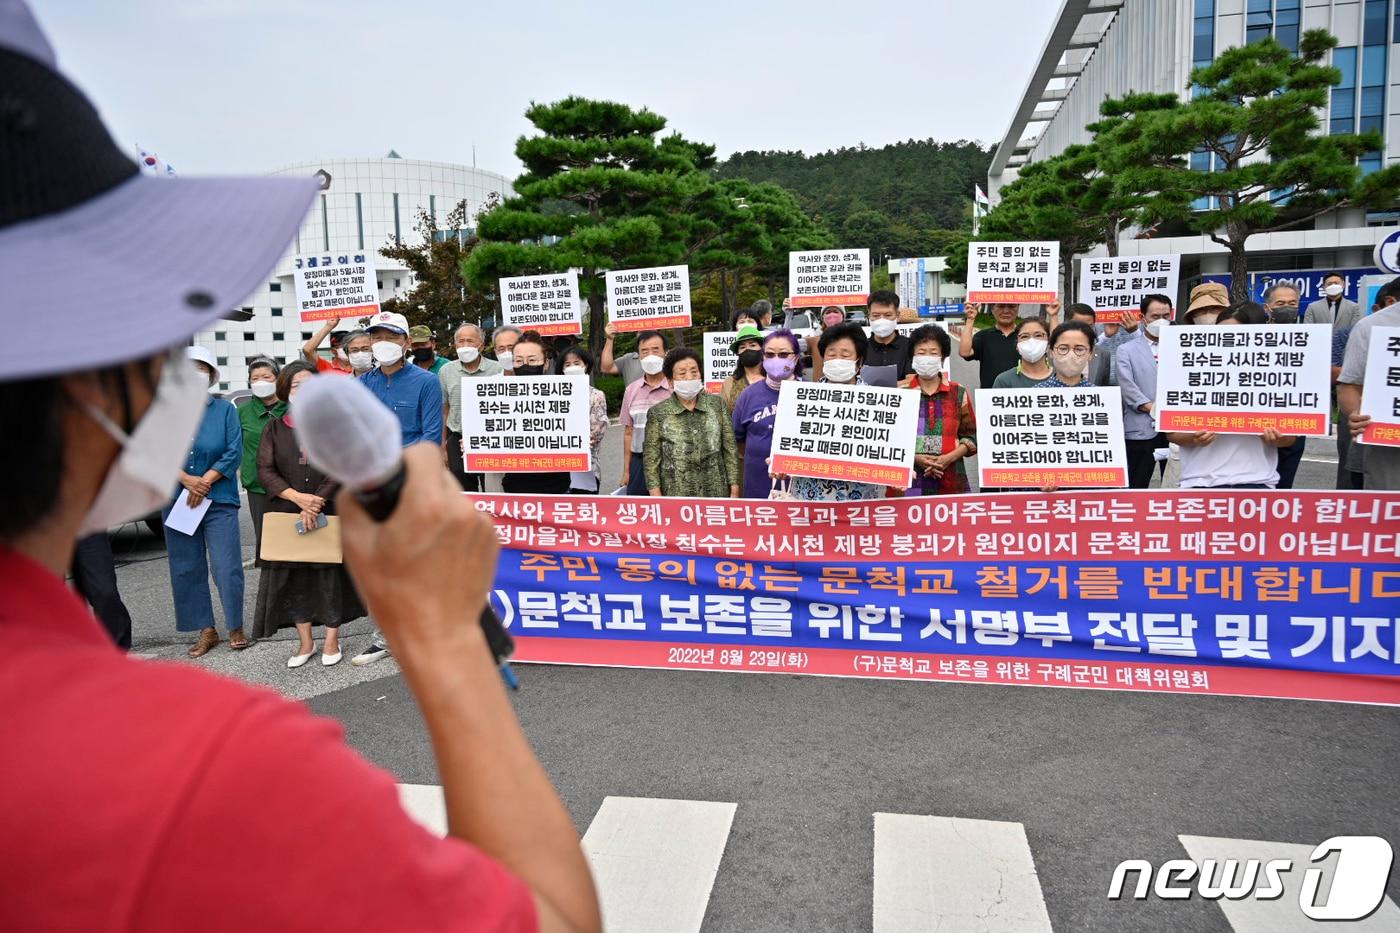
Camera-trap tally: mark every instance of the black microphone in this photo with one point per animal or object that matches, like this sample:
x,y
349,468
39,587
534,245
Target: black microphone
x,y
352,437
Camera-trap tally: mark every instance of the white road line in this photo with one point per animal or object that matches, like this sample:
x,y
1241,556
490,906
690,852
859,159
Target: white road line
x,y
1280,915
424,803
655,861
936,872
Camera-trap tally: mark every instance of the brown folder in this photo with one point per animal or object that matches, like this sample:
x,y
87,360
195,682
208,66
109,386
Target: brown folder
x,y
281,542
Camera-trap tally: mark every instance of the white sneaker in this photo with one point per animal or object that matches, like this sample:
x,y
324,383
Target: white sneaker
x,y
297,660
374,652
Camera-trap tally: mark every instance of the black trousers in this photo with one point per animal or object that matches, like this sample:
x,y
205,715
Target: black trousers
x,y
470,482
1142,458
95,579
1289,459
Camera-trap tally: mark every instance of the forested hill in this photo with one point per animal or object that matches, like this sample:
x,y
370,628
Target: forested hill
x,y
917,190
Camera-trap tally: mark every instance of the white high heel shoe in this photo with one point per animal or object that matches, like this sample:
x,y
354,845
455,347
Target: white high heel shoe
x,y
297,660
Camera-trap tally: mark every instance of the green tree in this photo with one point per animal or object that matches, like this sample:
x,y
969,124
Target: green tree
x,y
599,192
1254,114
439,298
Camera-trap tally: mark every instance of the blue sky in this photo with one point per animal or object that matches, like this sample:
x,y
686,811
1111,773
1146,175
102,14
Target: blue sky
x,y
225,86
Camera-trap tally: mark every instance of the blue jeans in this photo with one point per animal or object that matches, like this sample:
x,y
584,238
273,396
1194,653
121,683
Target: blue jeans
x,y
189,570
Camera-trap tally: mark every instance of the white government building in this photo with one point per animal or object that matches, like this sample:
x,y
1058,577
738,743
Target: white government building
x,y
368,204
1105,48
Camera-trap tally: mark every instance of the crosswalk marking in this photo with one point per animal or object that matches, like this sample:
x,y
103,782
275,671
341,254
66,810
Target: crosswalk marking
x,y
937,872
655,861
1282,914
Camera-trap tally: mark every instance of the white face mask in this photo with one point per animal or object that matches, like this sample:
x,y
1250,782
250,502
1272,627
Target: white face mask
x,y
688,388
839,370
264,389
928,366
387,353
1033,350
651,365
506,358
340,352
468,354
361,360
883,327
141,479
1155,328
577,369
1334,291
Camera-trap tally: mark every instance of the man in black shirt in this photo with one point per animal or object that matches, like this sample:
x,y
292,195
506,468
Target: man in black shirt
x,y
995,347
887,347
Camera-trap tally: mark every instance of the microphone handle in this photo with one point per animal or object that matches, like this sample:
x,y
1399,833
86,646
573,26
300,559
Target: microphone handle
x,y
380,503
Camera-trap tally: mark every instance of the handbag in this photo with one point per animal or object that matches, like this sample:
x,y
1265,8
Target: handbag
x,y
782,491
281,542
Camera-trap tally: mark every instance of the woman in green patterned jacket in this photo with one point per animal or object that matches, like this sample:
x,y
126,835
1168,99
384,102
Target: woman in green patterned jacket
x,y
690,448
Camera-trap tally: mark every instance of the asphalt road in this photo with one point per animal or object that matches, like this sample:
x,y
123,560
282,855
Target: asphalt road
x,y
1093,777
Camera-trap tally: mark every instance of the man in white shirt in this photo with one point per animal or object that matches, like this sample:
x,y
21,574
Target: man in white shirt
x,y
1380,466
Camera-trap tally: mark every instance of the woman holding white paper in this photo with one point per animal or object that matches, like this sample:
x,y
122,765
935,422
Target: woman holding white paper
x,y
292,593
947,432
213,542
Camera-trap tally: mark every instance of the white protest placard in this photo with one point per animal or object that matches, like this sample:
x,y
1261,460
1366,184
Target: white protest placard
x,y
858,433
1033,438
335,285
1116,284
1245,379
649,299
1013,273
720,358
548,304
821,277
530,424
1380,392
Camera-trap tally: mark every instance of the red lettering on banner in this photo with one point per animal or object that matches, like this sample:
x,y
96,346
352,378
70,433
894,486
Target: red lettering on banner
x,y
1311,425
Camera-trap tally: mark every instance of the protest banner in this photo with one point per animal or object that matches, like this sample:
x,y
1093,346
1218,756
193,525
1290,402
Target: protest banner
x,y
548,304
817,278
1245,380
858,433
649,299
1380,391
720,358
1034,438
1211,592
1013,273
1116,284
537,424
331,286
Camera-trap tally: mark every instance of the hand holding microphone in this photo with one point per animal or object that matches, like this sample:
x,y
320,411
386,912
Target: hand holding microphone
x,y
429,569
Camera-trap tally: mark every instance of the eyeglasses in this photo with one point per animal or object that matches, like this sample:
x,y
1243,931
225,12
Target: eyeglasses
x,y
1064,350
777,355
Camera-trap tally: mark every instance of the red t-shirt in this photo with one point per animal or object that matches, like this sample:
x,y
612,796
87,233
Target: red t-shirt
x,y
337,366
141,795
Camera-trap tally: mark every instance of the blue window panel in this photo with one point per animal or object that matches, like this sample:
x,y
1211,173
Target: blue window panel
x,y
1256,34
1259,19
1203,47
1373,66
1370,162
1200,161
1260,6
1343,104
1372,123
1344,59
1342,126
1282,5
1395,33
1373,32
1372,101
1205,8
1287,37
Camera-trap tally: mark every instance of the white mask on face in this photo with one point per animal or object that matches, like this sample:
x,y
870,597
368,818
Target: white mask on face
x,y
651,365
576,369
839,370
141,479
883,327
387,353
1033,350
264,389
1334,291
688,388
468,354
928,366
361,360
506,358
1155,328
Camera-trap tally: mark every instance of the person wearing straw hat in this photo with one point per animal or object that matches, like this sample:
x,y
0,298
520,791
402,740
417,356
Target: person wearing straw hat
x,y
214,456
129,777
1208,301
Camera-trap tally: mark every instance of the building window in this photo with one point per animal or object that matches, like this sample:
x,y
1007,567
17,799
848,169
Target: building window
x,y
1203,43
223,360
1373,28
1286,23
398,233
276,336
277,286
360,219
380,283
219,335
1343,118
249,335
1374,67
396,283
432,208
306,335
1259,20
325,225
276,312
